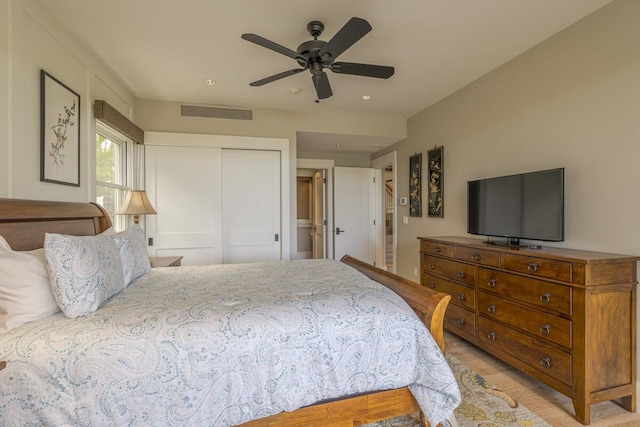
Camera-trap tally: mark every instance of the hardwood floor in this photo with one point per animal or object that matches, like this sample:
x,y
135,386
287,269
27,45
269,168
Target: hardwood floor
x,y
548,404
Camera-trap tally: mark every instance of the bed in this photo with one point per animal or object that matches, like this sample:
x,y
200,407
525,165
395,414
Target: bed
x,y
144,345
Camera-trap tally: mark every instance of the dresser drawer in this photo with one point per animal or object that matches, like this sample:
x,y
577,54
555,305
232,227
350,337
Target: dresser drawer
x,y
539,293
540,356
460,294
431,247
460,319
480,256
453,270
544,325
549,268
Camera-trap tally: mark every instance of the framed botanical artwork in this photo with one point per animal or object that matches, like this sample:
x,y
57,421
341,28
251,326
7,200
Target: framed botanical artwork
x,y
436,182
415,185
59,132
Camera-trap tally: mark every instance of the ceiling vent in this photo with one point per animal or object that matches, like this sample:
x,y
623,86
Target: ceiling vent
x,y
215,112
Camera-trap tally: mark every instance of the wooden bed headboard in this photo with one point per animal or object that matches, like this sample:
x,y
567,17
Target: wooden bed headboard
x,y
23,223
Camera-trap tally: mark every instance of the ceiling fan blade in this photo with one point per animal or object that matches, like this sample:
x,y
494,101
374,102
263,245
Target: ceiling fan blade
x,y
353,30
367,70
261,41
276,77
321,82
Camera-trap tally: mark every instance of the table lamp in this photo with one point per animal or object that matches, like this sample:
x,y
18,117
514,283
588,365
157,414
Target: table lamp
x,y
136,203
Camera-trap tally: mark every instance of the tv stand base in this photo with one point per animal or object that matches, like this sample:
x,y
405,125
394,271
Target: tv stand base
x,y
512,243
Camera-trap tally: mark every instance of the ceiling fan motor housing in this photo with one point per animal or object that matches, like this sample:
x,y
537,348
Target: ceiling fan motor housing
x,y
311,48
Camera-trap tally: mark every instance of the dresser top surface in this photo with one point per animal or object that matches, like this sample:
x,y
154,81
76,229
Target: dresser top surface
x,y
534,251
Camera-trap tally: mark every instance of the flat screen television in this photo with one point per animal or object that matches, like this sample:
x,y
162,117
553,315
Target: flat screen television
x,y
522,206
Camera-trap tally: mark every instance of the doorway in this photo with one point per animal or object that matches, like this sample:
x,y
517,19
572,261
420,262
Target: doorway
x,y
314,202
311,215
387,163
388,217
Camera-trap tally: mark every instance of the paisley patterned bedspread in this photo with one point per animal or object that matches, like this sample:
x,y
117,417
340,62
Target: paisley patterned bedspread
x,y
219,346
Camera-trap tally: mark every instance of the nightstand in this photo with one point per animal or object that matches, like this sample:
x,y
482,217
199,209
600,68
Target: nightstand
x,y
165,261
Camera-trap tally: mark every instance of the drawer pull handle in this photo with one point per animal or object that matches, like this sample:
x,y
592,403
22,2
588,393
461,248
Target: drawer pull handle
x,y
461,297
545,362
436,249
545,297
432,285
475,257
432,266
533,267
491,308
491,283
462,274
461,321
545,329
492,336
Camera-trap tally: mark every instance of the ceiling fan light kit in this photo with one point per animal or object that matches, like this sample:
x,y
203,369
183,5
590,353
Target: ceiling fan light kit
x,y
316,55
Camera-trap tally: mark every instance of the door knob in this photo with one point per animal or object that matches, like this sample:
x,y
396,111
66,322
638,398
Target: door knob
x,y
338,231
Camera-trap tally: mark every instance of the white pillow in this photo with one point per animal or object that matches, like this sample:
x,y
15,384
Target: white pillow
x,y
84,271
25,292
133,253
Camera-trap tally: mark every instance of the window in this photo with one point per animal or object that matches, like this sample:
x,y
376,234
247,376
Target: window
x,y
111,172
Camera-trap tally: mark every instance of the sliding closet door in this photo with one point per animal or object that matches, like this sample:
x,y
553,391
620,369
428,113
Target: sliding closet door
x,y
250,206
183,185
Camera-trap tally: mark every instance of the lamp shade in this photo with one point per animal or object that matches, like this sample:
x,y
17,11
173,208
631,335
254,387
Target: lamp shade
x,y
136,203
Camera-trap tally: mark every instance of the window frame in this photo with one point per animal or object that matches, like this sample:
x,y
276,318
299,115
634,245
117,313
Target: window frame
x,y
125,172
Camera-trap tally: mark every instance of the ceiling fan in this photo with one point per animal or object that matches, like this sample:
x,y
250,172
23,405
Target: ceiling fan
x,y
316,55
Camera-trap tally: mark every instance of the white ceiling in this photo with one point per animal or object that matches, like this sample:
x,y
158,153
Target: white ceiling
x,y
165,49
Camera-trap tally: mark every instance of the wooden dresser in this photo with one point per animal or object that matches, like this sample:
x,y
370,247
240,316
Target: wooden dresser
x,y
566,317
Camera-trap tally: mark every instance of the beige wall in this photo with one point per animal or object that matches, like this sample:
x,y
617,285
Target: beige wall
x,y
5,129
165,117
574,102
31,40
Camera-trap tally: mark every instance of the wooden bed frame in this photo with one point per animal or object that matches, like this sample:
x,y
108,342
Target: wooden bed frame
x,y
23,223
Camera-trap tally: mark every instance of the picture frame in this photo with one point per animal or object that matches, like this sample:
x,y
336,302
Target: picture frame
x,y
415,185
59,132
435,191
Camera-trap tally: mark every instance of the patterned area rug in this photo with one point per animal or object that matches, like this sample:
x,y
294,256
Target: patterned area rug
x,y
483,405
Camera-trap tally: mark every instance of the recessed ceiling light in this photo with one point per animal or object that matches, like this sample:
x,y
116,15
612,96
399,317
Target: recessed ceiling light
x,y
365,97
209,82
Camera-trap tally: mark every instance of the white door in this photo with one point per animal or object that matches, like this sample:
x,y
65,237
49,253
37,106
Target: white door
x,y
183,187
354,207
318,217
250,206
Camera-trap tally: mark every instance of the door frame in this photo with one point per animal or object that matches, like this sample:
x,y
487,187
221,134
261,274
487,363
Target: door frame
x,y
327,166
382,162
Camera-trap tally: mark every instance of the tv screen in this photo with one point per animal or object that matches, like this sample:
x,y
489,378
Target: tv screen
x,y
523,206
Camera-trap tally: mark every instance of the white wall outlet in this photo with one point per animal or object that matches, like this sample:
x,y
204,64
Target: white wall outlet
x,y
415,271
405,220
